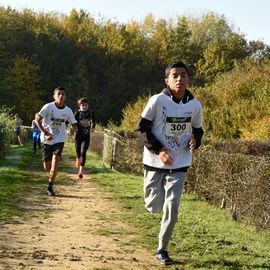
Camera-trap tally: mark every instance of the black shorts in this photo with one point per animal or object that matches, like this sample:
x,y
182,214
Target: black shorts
x,y
50,150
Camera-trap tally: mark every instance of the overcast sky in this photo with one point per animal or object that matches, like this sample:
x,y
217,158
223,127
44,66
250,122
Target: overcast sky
x,y
251,18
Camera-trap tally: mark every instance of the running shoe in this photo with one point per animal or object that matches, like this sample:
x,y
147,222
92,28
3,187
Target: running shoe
x,y
80,175
50,191
163,257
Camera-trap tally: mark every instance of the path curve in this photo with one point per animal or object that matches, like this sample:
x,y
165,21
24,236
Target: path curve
x,y
72,233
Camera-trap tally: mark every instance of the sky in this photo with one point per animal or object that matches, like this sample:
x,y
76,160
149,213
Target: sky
x,y
251,18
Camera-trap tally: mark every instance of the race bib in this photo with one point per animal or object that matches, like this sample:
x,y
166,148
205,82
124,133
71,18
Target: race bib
x,y
177,126
57,123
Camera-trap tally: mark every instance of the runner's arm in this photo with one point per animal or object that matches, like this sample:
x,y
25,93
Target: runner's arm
x,y
147,137
74,128
39,124
47,135
198,133
93,120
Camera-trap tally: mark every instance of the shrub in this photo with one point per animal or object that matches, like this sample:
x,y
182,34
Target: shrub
x,y
96,142
128,156
7,130
131,114
231,174
237,181
235,106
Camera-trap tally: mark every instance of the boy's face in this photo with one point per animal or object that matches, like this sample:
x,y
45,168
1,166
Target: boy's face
x,y
60,97
177,81
84,106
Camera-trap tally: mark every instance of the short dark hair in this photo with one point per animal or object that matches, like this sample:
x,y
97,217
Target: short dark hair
x,y
82,100
59,88
174,64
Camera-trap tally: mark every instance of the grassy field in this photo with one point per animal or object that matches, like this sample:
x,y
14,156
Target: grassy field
x,y
15,180
204,238
22,175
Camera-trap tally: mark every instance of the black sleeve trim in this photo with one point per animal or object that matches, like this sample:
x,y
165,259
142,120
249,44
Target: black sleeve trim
x,y
198,133
93,120
77,118
147,137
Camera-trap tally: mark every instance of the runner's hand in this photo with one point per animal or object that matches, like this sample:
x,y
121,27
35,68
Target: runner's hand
x,y
48,136
165,157
192,143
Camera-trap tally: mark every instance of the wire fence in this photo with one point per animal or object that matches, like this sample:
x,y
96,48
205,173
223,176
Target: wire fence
x,y
112,144
234,176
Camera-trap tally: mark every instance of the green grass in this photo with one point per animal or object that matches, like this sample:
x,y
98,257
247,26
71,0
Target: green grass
x,y
204,237
15,180
22,175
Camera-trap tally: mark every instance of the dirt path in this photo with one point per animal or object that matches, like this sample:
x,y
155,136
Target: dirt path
x,y
77,234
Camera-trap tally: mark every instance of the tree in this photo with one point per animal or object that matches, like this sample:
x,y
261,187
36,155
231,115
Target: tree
x,y
218,45
259,50
179,41
24,78
237,103
221,54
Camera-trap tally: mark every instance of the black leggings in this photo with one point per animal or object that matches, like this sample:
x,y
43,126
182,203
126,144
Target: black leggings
x,y
82,146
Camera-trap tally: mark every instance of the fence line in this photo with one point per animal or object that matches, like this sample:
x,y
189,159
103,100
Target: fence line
x,y
110,146
236,181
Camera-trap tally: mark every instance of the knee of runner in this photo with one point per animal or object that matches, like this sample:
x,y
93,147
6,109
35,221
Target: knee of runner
x,y
173,207
53,172
153,208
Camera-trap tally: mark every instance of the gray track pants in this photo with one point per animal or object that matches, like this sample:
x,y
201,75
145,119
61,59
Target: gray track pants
x,y
162,191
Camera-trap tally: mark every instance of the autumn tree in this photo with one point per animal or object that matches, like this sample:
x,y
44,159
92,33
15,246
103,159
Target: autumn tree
x,y
236,104
24,78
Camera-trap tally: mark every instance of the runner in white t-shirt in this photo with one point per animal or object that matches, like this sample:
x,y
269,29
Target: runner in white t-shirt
x,y
171,128
51,120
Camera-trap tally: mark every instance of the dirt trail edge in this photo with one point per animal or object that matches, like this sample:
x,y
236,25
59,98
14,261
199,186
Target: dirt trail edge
x,y
66,233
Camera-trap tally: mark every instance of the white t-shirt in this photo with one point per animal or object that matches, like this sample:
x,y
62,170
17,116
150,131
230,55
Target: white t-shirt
x,y
172,126
54,122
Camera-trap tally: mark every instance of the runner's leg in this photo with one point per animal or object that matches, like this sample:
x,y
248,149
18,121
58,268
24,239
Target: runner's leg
x,y
84,147
173,189
154,190
35,144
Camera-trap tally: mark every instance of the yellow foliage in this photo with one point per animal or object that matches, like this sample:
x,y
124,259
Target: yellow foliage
x,y
236,105
132,112
25,78
259,130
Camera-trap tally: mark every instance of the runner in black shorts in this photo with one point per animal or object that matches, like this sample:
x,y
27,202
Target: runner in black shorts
x,y
85,123
50,150
51,120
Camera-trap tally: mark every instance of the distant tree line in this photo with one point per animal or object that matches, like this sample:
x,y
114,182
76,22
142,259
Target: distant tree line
x,y
114,63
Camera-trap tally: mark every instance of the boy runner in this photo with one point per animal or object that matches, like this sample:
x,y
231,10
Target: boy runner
x,y
51,120
171,128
